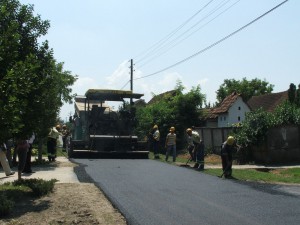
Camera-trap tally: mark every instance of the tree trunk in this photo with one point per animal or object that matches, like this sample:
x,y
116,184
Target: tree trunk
x,y
40,150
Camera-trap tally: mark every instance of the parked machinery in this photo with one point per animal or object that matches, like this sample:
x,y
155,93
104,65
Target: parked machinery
x,y
97,128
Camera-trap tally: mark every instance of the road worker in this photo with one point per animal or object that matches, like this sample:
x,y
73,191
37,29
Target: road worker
x,y
156,138
196,148
226,155
171,144
52,142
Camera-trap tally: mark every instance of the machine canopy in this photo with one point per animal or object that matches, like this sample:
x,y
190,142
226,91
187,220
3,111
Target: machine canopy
x,y
110,95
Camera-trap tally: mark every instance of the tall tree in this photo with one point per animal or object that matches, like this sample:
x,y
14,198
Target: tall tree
x,y
292,93
33,85
246,88
180,111
298,96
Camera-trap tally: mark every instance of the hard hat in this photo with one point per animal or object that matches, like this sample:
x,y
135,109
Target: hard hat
x,y
57,126
230,140
188,130
155,127
172,129
64,126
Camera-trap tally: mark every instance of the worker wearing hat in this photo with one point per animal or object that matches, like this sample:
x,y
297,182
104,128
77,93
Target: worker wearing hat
x,y
52,142
196,148
156,138
171,144
65,133
226,155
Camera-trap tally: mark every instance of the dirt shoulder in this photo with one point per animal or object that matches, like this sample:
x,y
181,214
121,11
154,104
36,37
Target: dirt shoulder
x,y
69,203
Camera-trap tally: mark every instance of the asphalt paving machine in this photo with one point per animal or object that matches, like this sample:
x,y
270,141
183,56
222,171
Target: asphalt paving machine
x,y
101,130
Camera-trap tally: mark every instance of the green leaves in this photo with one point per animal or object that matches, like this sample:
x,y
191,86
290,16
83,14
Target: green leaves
x,y
246,88
178,110
256,125
33,85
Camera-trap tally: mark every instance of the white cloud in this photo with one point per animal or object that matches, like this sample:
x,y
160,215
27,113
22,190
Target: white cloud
x,y
119,77
203,82
83,84
156,84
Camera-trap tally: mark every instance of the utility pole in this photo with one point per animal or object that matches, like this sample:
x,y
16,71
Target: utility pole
x,y
131,79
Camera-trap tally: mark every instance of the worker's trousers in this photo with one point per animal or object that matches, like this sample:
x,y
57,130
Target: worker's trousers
x,y
4,163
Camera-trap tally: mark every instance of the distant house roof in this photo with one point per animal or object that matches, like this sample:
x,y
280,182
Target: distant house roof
x,y
226,103
268,101
212,114
207,114
140,103
159,97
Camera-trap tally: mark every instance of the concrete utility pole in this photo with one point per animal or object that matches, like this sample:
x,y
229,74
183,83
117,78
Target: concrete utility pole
x,y
131,79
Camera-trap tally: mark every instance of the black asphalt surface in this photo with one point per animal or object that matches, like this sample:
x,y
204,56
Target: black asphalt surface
x,y
150,192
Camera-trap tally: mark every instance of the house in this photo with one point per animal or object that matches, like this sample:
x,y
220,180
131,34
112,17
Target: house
x,y
267,102
140,103
166,95
231,111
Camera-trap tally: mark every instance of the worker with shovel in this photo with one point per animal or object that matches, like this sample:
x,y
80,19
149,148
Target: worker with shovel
x,y
196,148
226,155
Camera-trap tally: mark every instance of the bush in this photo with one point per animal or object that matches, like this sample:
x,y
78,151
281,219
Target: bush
x,y
34,152
39,187
6,205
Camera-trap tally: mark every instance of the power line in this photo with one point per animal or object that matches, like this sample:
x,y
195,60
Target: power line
x,y
216,43
163,40
125,84
184,38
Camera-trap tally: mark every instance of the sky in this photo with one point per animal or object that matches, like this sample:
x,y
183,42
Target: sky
x,y
170,41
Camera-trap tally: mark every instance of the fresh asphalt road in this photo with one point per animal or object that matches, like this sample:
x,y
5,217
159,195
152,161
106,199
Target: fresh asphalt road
x,y
152,192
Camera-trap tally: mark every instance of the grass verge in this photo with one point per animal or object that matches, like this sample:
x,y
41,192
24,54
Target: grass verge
x,y
289,175
280,175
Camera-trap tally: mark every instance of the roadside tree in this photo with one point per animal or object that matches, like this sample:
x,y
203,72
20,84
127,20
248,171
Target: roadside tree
x,y
180,111
246,88
33,85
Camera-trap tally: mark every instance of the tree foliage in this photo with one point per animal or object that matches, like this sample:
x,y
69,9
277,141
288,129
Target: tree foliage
x,y
33,85
246,88
257,123
180,111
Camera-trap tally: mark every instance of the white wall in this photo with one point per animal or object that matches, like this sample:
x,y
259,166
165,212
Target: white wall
x,y
236,114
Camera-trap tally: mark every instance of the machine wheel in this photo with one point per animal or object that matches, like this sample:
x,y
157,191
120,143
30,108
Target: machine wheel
x,y
70,150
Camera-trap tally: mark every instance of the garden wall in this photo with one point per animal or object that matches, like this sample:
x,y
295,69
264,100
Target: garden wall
x,y
282,146
213,137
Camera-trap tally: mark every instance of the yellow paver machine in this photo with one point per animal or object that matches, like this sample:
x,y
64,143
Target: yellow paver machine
x,y
101,131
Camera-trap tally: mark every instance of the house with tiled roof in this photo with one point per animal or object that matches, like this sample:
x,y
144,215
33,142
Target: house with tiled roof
x,y
231,111
267,102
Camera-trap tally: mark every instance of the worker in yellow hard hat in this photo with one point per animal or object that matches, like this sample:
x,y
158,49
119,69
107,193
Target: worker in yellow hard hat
x,y
195,148
171,144
155,141
52,142
65,134
226,155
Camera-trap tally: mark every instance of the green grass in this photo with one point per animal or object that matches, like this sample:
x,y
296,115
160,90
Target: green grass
x,y
17,191
162,158
290,175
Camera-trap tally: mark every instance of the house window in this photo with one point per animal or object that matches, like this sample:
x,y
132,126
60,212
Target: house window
x,y
239,108
224,118
221,118
239,118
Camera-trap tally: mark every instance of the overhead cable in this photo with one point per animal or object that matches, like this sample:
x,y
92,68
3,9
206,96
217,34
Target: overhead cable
x,y
125,85
168,48
216,43
163,40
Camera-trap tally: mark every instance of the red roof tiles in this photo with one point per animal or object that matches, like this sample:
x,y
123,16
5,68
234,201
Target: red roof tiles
x,y
268,101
